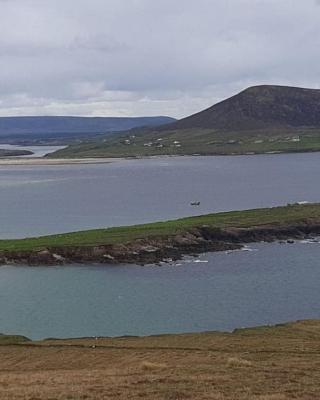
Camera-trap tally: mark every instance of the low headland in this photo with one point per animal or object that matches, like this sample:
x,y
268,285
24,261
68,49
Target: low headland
x,y
166,241
14,153
267,363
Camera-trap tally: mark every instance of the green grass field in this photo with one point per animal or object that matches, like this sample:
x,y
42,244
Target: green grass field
x,y
269,216
200,141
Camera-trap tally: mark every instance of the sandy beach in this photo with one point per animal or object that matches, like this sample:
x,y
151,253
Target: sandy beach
x,y
49,161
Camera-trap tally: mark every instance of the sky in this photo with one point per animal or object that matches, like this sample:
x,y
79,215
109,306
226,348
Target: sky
x,y
150,57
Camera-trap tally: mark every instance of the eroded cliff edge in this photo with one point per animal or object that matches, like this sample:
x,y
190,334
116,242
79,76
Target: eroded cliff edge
x,y
155,249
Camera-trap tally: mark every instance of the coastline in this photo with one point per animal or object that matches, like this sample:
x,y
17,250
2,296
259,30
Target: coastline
x,y
161,250
166,241
47,161
84,341
55,161
42,161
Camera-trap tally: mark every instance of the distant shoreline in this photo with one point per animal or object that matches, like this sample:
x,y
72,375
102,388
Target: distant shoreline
x,y
20,161
56,161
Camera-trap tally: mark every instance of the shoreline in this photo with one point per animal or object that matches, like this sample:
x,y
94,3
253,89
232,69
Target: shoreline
x,y
22,340
43,161
20,161
166,250
56,161
192,152
167,241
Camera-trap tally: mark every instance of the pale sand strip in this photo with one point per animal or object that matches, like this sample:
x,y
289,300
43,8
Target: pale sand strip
x,y
53,161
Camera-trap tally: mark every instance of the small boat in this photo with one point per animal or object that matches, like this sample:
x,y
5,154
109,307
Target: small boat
x,y
195,203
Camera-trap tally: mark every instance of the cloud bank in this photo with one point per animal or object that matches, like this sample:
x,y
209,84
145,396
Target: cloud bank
x,y
148,57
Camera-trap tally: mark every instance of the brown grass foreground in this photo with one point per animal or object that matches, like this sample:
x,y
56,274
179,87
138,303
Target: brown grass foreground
x,y
270,363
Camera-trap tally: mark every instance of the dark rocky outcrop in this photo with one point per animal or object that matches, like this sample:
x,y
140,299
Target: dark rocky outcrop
x,y
14,153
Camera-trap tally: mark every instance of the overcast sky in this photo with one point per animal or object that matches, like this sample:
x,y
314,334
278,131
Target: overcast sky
x,y
150,57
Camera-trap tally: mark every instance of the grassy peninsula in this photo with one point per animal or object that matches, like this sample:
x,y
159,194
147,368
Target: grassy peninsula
x,y
265,363
171,239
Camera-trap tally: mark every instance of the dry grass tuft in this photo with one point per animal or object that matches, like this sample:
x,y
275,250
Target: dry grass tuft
x,y
272,397
239,362
151,366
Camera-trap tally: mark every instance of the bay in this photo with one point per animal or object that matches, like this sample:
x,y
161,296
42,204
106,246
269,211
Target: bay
x,y
271,284
40,200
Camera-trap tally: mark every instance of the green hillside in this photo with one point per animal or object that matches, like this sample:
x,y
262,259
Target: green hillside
x,y
262,119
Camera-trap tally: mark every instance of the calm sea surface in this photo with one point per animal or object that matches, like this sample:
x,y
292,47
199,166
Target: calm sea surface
x,y
276,283
52,199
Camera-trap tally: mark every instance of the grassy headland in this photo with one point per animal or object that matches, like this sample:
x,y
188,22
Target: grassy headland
x,y
275,216
156,241
266,363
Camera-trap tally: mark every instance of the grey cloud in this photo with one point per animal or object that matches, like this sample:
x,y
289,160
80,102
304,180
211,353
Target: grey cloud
x,y
149,57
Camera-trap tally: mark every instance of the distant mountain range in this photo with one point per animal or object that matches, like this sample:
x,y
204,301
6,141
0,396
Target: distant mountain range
x,y
52,128
260,119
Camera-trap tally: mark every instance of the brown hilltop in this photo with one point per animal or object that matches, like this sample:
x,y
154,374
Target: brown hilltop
x,y
258,107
